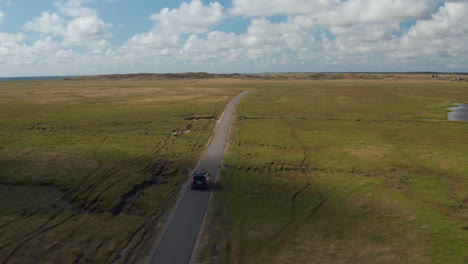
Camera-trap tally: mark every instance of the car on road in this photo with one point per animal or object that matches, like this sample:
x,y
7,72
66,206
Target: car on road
x,y
200,180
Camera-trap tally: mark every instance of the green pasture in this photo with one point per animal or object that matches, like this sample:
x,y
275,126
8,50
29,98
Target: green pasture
x,y
318,171
88,167
346,171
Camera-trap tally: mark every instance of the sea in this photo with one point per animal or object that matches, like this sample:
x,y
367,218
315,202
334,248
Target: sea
x,y
34,78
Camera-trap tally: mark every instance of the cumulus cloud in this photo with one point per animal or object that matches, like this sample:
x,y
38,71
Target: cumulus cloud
x,y
370,11
336,12
47,23
165,38
75,8
85,29
217,46
152,41
374,37
5,37
63,54
11,47
280,7
444,36
82,27
450,21
353,35
16,53
265,42
193,17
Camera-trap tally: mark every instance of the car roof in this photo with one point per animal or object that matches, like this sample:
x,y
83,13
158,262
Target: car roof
x,y
200,173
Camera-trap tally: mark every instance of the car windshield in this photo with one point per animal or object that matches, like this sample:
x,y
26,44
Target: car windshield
x,y
199,178
199,173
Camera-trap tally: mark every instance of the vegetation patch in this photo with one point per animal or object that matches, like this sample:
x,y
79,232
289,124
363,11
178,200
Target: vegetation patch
x,y
343,172
320,169
88,168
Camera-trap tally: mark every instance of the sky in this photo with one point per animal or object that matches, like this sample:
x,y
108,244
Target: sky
x,y
88,37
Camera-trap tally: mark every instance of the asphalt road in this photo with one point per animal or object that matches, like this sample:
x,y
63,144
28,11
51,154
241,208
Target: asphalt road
x,y
178,241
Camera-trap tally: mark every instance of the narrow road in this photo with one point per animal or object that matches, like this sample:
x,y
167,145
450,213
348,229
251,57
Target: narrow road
x,y
177,243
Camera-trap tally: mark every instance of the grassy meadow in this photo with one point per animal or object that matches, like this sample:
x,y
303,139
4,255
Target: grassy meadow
x,y
320,168
88,168
343,171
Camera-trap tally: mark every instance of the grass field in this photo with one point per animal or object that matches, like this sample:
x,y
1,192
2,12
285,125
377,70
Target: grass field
x,y
351,169
89,167
346,171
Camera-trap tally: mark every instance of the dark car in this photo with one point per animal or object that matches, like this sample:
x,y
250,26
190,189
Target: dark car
x,y
201,180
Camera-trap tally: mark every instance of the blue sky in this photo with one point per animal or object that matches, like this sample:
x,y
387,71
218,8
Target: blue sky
x,y
132,16
74,37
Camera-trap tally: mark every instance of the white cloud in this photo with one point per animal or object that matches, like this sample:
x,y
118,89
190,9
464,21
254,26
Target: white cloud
x,y
283,7
5,37
15,53
264,42
99,46
450,21
369,46
353,12
366,32
82,30
75,8
63,54
152,41
47,23
217,46
336,12
193,17
165,37
444,36
2,16
353,35
10,46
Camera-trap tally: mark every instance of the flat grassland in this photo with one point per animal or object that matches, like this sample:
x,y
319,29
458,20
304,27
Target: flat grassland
x,y
89,167
320,169
343,171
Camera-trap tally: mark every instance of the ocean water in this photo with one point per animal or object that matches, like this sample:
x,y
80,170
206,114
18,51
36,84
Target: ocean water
x,y
33,78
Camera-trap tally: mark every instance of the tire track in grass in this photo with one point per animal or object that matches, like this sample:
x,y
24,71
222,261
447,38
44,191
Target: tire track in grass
x,y
165,144
34,235
160,146
295,220
293,201
131,164
91,172
123,252
24,218
32,232
56,246
129,198
155,151
128,164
